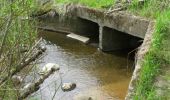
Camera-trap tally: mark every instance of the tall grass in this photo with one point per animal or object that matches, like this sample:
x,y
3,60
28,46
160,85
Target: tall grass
x,y
158,54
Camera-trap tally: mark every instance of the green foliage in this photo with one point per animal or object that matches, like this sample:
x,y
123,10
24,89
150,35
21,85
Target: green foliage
x,y
150,69
151,8
90,3
16,32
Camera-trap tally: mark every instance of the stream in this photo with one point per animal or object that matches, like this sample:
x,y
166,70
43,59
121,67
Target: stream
x,y
98,75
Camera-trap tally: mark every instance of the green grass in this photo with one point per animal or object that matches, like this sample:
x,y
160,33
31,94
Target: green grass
x,y
89,3
159,52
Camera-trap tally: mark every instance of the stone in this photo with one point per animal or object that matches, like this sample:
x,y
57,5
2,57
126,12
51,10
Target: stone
x,y
49,67
17,79
68,86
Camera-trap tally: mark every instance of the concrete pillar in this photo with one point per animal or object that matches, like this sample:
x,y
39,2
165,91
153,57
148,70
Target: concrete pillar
x,y
110,39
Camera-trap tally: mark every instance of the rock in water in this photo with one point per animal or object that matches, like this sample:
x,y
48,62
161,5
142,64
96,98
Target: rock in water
x,y
49,67
68,86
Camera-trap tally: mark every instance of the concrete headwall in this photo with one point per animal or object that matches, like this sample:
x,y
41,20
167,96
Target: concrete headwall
x,y
113,30
121,21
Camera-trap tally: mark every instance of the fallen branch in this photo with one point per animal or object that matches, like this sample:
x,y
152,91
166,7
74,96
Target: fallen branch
x,y
24,63
31,88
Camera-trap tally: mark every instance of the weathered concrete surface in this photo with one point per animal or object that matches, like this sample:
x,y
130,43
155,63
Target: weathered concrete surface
x,y
120,21
143,50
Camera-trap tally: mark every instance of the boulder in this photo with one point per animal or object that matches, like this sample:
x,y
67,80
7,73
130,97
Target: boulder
x,y
49,67
68,86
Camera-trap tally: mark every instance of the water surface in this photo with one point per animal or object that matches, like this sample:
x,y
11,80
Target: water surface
x,y
99,75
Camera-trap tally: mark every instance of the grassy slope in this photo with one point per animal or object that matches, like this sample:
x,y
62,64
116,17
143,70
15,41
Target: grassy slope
x,y
159,53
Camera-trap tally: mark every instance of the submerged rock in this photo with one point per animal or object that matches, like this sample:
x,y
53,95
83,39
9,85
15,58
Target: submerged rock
x,y
49,67
68,86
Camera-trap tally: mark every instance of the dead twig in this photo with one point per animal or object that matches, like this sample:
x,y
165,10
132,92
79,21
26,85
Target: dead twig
x,y
22,65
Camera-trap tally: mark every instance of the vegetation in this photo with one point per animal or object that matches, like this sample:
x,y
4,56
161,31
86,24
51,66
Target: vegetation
x,y
89,3
17,33
159,51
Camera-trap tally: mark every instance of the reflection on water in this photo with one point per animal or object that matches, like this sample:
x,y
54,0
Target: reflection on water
x,y
98,75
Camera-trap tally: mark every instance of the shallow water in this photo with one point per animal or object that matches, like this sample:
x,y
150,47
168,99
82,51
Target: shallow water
x,y
99,75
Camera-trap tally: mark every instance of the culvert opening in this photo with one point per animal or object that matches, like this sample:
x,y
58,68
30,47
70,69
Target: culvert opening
x,y
115,41
112,40
89,29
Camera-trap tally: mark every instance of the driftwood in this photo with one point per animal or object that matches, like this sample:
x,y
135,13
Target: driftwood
x,y
32,87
